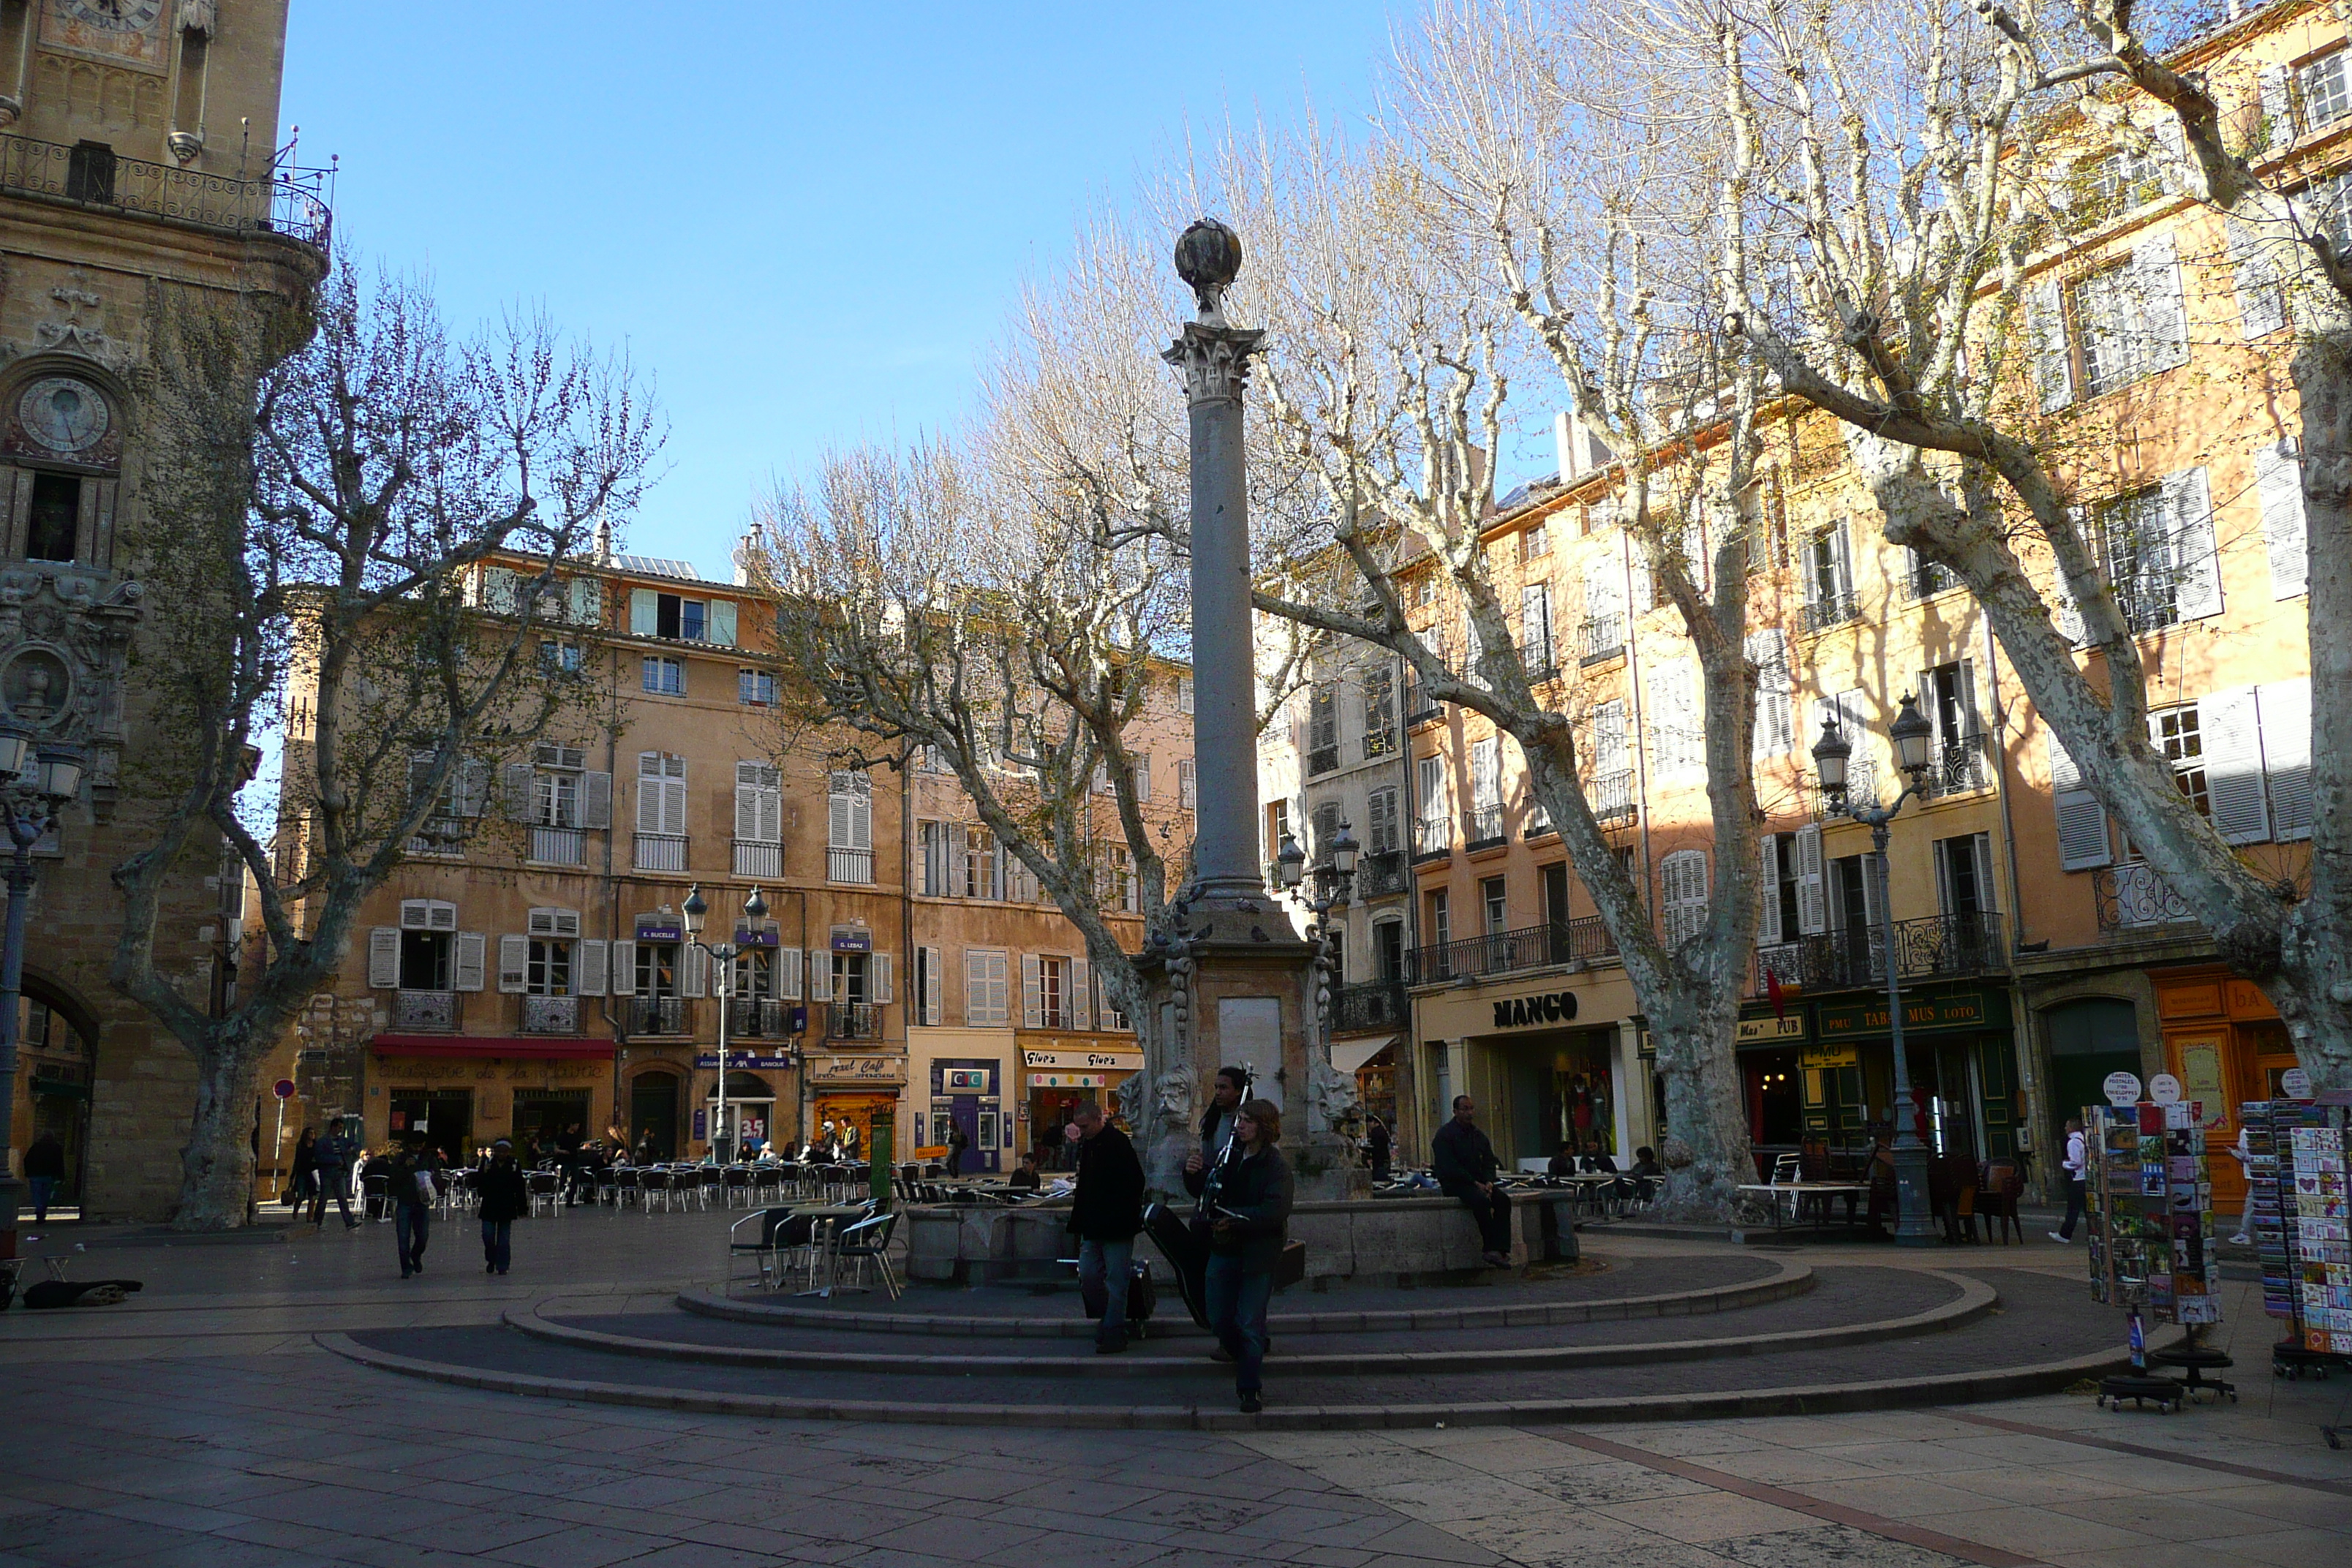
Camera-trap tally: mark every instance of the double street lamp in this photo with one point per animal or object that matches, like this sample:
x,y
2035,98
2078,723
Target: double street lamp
x,y
1914,738
35,781
695,910
1334,880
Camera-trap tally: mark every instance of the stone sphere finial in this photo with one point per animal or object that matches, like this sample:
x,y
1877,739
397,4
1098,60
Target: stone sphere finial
x,y
1208,258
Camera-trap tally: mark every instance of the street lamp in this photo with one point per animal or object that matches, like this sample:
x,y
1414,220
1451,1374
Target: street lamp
x,y
695,910
1912,737
35,781
1334,882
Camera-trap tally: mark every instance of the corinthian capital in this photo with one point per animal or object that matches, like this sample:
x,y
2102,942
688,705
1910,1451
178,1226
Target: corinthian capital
x,y
1214,361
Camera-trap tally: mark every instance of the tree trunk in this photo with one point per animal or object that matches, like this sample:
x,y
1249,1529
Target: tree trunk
x,y
1704,1148
216,1163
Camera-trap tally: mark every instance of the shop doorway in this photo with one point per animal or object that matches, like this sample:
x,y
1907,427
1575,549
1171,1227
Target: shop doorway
x,y
858,1110
2088,1041
1049,1113
652,1112
54,1068
965,1097
443,1116
1776,1103
751,1116
1557,1090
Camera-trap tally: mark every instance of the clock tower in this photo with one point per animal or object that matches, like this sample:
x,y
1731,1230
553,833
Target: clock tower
x,y
140,181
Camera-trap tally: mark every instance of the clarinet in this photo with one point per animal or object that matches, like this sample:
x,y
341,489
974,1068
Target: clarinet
x,y
1213,1181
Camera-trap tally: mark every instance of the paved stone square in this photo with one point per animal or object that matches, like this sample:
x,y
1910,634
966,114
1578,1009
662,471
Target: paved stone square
x,y
200,1423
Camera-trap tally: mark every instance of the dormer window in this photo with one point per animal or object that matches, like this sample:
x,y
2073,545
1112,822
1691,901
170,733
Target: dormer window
x,y
653,614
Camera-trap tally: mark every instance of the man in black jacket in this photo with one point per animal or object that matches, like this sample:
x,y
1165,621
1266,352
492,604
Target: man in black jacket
x,y
506,1198
1105,1212
1463,1162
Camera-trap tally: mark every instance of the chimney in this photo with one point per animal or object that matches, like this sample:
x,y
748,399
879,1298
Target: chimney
x,y
1580,450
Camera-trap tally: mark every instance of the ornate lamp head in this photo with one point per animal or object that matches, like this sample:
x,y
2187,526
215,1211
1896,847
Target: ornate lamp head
x,y
694,910
1914,735
1208,258
1290,863
1830,754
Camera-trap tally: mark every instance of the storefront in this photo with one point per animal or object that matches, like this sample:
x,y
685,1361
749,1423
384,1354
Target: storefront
x,y
1374,1064
1056,1077
1961,1055
761,1099
859,1091
969,1078
460,1094
1550,1061
2224,1042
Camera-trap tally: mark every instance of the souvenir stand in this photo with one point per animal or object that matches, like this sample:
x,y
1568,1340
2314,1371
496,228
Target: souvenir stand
x,y
2149,1203
2298,1154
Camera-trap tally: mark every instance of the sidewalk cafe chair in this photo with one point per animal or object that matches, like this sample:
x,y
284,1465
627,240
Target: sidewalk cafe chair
x,y
653,1184
543,1187
737,1179
713,1178
769,1242
870,1237
627,1188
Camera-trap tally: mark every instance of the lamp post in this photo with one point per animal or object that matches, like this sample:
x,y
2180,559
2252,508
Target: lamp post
x,y
1913,736
695,910
35,781
1334,881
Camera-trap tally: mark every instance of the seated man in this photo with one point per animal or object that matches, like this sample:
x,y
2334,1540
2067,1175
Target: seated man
x,y
1564,1162
1647,1174
1025,1176
1463,1162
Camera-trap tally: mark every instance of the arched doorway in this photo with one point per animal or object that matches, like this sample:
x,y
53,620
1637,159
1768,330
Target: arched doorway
x,y
2088,1041
55,1066
750,1114
652,1112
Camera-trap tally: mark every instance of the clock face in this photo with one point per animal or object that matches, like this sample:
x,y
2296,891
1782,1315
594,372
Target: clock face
x,y
64,414
114,15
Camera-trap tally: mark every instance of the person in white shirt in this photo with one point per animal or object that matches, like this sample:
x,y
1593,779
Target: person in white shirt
x,y
2078,1170
2245,1158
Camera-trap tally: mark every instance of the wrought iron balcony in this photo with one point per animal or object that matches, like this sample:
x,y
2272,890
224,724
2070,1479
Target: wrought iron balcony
x,y
293,203
1421,711
656,1016
1611,797
1432,836
849,866
1382,876
1829,610
1482,826
1925,580
757,858
1960,766
551,1015
1504,953
661,851
1604,635
2133,895
1371,1005
853,1021
1937,945
432,1012
758,1017
439,836
559,845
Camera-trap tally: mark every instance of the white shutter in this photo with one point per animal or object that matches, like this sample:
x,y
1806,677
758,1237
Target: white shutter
x,y
471,796
622,978
933,958
587,600
470,954
1188,783
1767,928
1486,774
719,624
514,964
1981,845
1873,914
515,785
1142,777
1812,903
1775,707
650,792
2188,513
2053,360
2278,479
1603,591
1033,992
2278,112
384,957
597,800
878,966
1608,739
2156,278
2082,820
2064,613
644,612
975,986
2233,765
788,974
747,805
1535,628
696,963
2286,756
2254,270
588,972
1082,996
1683,877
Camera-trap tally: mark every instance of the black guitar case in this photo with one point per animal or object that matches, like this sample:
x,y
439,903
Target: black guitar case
x,y
1187,1255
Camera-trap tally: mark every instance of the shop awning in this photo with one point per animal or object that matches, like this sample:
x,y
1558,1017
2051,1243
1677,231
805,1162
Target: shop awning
x,y
529,1048
1349,1055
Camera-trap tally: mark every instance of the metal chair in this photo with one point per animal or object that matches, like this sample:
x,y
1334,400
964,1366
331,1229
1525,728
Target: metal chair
x,y
711,1179
543,1187
865,1238
764,1246
737,1182
629,1187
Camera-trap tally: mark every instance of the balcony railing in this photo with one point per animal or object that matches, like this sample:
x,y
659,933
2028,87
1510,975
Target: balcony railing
x,y
1612,796
1420,713
2133,895
1924,949
656,1016
1371,1005
1504,953
1604,635
849,866
1960,766
1432,835
1482,826
1323,760
441,835
853,1021
1829,610
661,851
1926,580
1382,876
551,1015
756,858
435,1012
559,845
758,1017
293,203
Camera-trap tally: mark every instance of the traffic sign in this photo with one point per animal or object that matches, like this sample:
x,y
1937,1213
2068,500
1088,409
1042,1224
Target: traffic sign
x,y
283,1088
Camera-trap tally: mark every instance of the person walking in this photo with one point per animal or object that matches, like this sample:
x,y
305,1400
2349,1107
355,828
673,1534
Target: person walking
x,y
2077,1165
412,1191
2239,1151
506,1198
332,1174
45,1167
306,1169
1464,1166
1378,1142
1249,1221
957,1144
1105,1212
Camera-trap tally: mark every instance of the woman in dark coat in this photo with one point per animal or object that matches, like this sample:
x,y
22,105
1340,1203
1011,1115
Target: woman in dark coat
x,y
306,1168
505,1199
1249,1215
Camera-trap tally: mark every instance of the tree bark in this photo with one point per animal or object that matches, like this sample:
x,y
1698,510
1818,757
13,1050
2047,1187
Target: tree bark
x,y
216,1165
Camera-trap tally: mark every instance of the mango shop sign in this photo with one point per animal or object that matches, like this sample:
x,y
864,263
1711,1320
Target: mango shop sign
x,y
1853,1020
1527,1012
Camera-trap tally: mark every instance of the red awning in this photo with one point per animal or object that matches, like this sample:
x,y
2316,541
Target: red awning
x,y
531,1048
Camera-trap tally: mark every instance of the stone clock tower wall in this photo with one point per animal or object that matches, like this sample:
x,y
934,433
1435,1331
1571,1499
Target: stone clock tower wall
x,y
136,180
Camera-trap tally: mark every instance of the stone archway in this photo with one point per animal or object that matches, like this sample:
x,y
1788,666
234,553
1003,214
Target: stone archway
x,y
57,1071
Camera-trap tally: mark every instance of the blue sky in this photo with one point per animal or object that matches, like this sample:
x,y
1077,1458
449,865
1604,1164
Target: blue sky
x,y
807,220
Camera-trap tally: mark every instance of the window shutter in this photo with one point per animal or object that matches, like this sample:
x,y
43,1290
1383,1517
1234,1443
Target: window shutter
x,y
2053,362
932,957
1142,777
469,955
2082,820
498,591
1535,628
1941,856
1638,572
1032,993
1604,593
588,974
880,967
1183,694
470,787
1980,846
2254,270
2064,613
747,801
514,964
2233,765
1767,928
587,601
2156,277
1682,876
1841,554
2278,479
2189,512
621,973
694,964
644,612
1813,904
720,627
515,785
1082,996
384,957
788,974
597,800
1775,711
959,846
1608,739
2286,756
1188,783
2278,114
975,986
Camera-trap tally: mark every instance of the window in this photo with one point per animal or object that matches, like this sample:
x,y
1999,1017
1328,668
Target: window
x,y
1964,876
1495,903
1791,902
2177,735
661,794
1125,889
923,1007
759,820
854,978
1534,630
90,173
1382,826
562,658
1775,717
1106,1014
2324,94
1486,791
658,971
2160,553
1441,918
1432,835
983,870
941,877
1053,993
1535,541
551,967
2082,821
1555,893
1327,828
1677,741
1828,577
555,799
1323,730
1183,694
755,688
664,677
1947,697
2119,179
1188,783
1380,711
54,523
2118,324
1143,776
849,828
986,1001
1278,828
653,614
429,938
1682,880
